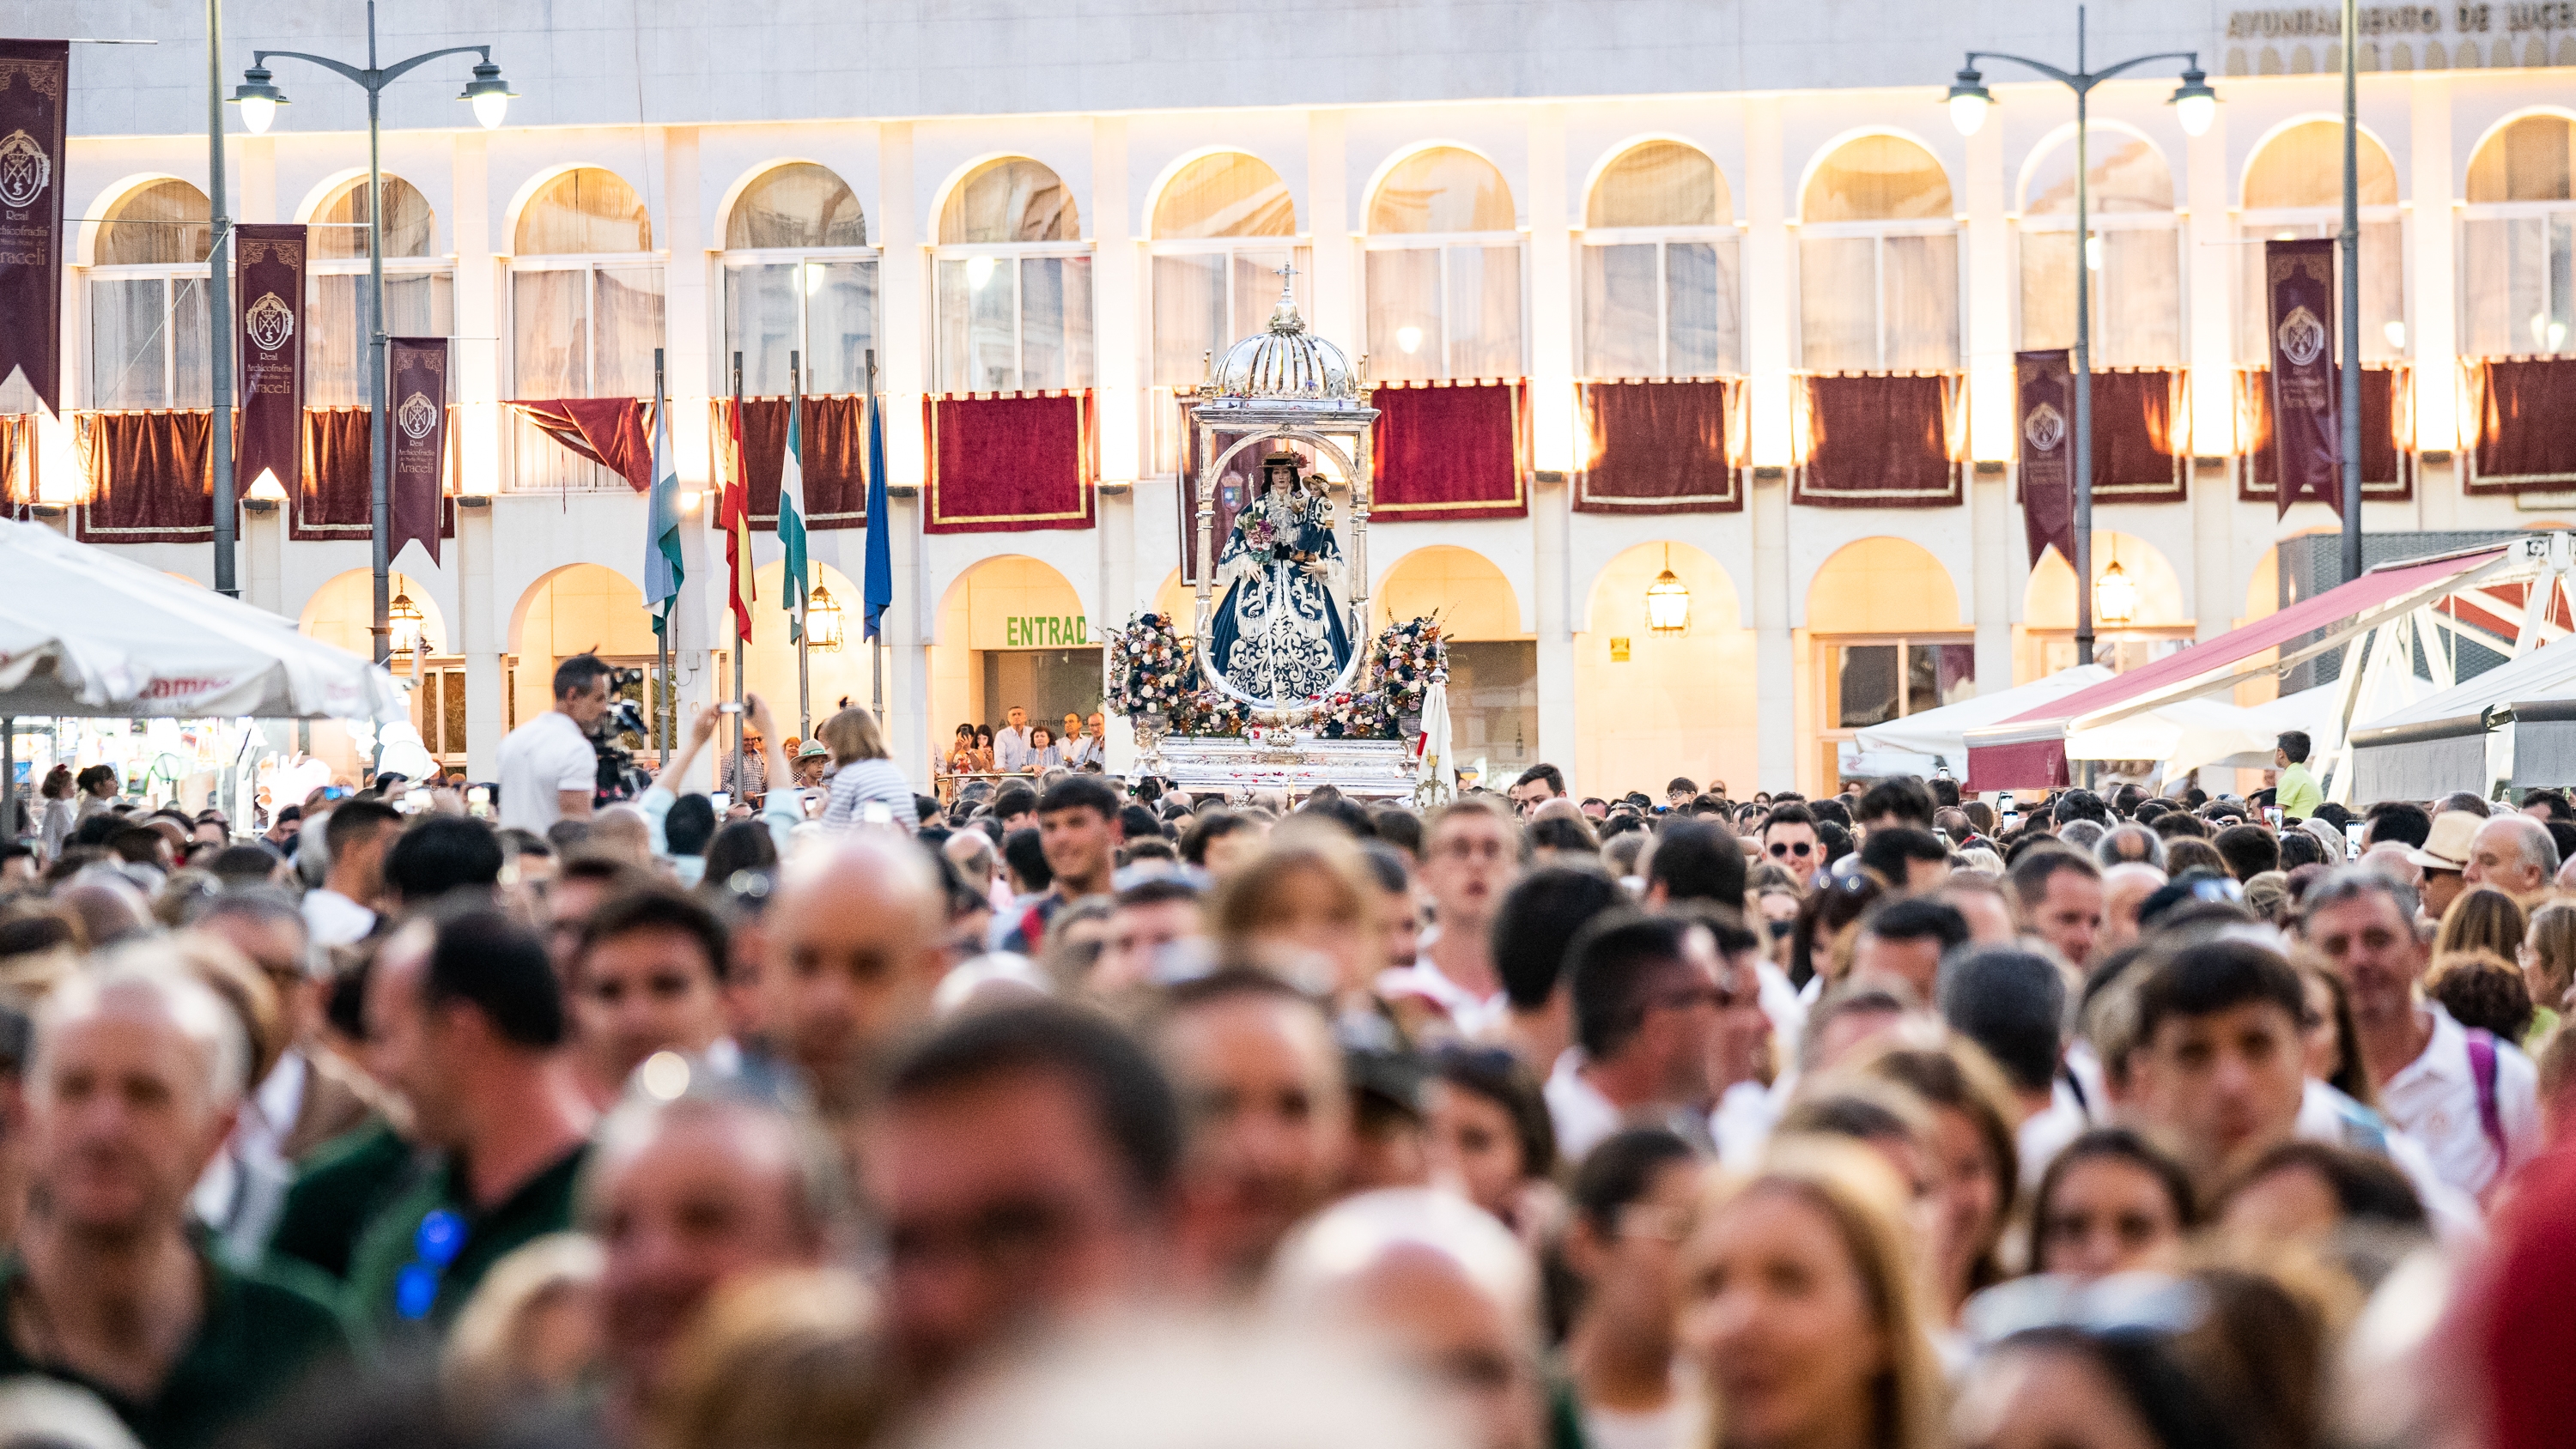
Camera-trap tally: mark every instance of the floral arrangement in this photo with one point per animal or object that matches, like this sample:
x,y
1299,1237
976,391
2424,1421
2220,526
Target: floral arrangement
x,y
1153,669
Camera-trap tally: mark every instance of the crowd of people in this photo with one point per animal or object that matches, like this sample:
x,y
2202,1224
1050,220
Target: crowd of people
x,y
1022,748
1077,1112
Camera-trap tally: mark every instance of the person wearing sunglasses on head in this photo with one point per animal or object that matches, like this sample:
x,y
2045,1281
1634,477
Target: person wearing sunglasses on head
x,y
1788,838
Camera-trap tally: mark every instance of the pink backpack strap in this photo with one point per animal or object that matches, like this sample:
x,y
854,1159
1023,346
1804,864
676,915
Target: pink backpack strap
x,y
2482,1070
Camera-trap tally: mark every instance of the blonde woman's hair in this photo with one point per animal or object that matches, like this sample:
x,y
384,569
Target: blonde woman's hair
x,y
493,1368
782,1360
853,734
2482,918
1294,858
2553,947
1853,1188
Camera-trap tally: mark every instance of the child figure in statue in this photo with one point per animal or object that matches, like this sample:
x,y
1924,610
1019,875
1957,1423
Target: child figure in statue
x,y
1279,633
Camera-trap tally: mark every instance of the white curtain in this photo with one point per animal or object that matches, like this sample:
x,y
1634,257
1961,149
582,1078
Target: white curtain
x,y
1838,303
1189,316
148,343
840,324
550,314
1619,321
1703,331
1921,274
1404,314
1466,324
1484,311
760,305
2137,296
628,328
336,332
2383,290
2519,277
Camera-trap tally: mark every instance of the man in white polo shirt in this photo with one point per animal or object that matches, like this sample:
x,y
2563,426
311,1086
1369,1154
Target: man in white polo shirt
x,y
548,768
2470,1099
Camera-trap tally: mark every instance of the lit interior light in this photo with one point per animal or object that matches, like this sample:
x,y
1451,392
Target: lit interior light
x,y
979,270
1409,339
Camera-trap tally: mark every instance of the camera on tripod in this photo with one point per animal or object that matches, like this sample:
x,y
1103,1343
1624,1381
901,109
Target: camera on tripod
x,y
620,778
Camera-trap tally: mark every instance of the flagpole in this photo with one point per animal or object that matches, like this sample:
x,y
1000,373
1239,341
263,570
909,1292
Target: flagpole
x,y
804,683
661,636
876,644
734,423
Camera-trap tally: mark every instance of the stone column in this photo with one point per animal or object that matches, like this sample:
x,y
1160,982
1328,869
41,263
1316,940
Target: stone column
x,y
1769,318
903,357
1551,382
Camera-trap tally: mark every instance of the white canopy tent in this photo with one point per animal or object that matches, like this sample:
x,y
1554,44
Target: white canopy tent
x,y
2513,726
1936,739
83,632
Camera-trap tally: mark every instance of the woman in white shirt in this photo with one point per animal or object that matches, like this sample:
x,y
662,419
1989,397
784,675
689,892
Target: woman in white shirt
x,y
863,772
59,820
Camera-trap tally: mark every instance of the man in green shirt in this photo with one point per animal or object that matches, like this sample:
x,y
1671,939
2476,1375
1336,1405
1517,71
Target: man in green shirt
x,y
2295,790
464,1018
138,1073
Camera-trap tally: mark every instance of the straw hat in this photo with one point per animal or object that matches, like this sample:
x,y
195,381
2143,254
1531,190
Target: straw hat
x,y
2447,848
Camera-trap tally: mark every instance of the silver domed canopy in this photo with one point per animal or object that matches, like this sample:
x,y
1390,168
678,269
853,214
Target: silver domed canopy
x,y
1284,363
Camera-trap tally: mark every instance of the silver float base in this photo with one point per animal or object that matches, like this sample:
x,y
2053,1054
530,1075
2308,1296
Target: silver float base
x,y
1235,768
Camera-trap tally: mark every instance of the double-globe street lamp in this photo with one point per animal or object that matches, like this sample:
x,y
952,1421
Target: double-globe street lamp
x,y
259,99
2195,106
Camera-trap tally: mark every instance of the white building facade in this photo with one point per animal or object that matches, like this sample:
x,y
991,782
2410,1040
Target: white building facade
x,y
1030,195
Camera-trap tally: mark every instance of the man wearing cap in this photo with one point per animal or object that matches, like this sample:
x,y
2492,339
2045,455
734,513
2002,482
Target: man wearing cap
x,y
2444,859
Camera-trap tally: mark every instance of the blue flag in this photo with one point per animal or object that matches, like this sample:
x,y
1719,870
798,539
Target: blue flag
x,y
879,583
662,567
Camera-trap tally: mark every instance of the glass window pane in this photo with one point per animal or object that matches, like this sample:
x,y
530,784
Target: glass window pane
x,y
1227,194
1055,322
128,343
1256,286
1443,189
2047,289
408,223
955,311
420,304
1866,680
2137,300
1922,302
2127,175
1484,311
585,211
2502,275
760,307
1014,199
192,367
1189,316
2303,166
1939,674
1702,333
2383,289
1838,303
1619,312
797,205
2527,161
550,314
1404,314
629,328
840,325
1878,178
1660,183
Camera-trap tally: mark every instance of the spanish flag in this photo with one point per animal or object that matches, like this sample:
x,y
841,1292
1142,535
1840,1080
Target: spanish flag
x,y
733,515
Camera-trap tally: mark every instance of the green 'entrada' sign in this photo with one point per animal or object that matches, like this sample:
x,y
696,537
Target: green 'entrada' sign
x,y
1046,631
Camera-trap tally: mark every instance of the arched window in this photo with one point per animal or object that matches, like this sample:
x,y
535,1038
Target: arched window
x,y
147,301
586,311
799,277
2135,254
1444,270
1014,280
1222,230
2518,241
420,292
1660,267
1878,261
2294,188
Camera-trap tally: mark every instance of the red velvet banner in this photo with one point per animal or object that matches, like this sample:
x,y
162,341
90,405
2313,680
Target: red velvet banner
x,y
2142,436
268,295
1443,453
836,479
334,502
2521,425
2044,396
1877,441
151,477
35,84
1007,462
2307,406
608,431
1661,447
2387,407
419,438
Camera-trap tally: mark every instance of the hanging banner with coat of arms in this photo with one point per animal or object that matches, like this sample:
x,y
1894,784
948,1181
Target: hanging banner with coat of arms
x,y
2307,410
35,81
268,287
419,397
2044,397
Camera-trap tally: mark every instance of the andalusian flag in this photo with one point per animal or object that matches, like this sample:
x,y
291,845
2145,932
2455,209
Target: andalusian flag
x,y
663,569
733,515
791,518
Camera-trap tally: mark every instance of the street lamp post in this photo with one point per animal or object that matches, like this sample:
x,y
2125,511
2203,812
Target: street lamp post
x,y
259,99
2195,106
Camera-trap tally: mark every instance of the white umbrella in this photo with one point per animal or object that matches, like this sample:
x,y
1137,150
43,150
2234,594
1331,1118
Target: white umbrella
x,y
1435,774
83,632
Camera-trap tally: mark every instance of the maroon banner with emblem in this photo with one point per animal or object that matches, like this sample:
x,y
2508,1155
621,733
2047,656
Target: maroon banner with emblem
x,y
2044,399
2307,408
268,293
419,398
35,82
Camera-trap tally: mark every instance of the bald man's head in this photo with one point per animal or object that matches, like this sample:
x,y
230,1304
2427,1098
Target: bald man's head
x,y
2125,888
857,942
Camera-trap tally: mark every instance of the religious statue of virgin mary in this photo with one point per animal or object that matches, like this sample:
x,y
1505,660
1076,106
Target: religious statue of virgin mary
x,y
1278,632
